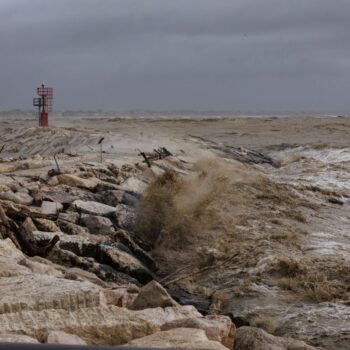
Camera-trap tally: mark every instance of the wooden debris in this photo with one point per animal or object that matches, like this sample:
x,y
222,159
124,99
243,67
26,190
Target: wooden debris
x,y
159,153
24,239
197,272
143,154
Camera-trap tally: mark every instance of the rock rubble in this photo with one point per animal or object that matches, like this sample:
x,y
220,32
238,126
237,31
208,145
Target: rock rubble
x,y
97,284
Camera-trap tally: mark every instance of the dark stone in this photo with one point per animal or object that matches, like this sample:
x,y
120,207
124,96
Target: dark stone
x,y
126,239
70,216
184,298
335,200
238,321
108,274
65,194
71,229
97,224
79,245
115,197
80,248
120,258
125,217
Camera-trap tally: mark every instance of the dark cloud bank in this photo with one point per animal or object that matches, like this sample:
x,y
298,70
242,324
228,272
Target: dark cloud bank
x,y
237,55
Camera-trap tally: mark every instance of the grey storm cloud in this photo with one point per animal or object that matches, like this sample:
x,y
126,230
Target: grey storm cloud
x,y
248,55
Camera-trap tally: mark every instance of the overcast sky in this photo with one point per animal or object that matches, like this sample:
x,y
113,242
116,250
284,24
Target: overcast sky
x,y
238,55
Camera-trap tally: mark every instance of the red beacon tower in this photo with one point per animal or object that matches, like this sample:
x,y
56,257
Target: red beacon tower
x,y
44,104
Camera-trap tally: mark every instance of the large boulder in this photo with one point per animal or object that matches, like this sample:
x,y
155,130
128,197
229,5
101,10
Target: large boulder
x,y
98,224
40,266
79,245
60,337
125,216
152,295
75,273
123,296
126,239
16,338
46,225
218,328
133,184
65,194
72,229
29,225
115,197
18,197
9,260
93,208
185,298
251,338
179,338
40,292
110,324
76,181
50,208
7,167
34,164
110,274
9,268
70,216
123,261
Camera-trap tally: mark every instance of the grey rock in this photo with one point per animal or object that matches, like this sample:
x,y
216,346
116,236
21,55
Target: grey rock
x,y
124,262
75,273
18,197
125,216
93,208
135,185
251,338
109,274
50,208
70,216
152,295
217,327
60,337
76,181
110,324
72,229
98,224
40,292
125,238
79,245
179,338
16,338
115,197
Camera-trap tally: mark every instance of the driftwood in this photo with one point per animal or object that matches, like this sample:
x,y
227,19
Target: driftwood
x,y
143,154
197,272
159,153
24,239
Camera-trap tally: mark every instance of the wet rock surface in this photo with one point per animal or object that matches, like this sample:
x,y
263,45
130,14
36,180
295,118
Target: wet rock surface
x,y
152,295
59,337
180,338
17,338
106,281
249,338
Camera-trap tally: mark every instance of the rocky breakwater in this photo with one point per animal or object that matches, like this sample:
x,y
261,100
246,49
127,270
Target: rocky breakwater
x,y
73,271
